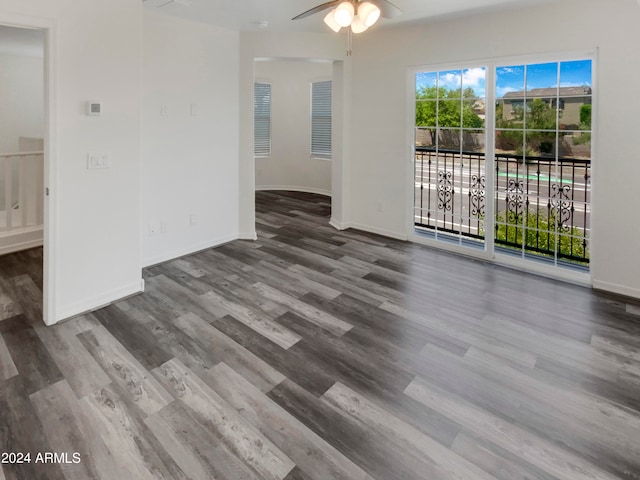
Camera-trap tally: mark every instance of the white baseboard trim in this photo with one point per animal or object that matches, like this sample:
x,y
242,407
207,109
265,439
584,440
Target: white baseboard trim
x,y
377,231
336,224
582,279
615,288
165,257
99,301
248,236
21,246
293,188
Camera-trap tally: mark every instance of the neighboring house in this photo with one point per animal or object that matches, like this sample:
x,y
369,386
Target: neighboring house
x,y
569,100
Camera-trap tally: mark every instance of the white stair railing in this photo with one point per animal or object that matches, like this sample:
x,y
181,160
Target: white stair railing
x,y
21,190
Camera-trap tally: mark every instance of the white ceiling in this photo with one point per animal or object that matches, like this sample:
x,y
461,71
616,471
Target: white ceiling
x,y
248,14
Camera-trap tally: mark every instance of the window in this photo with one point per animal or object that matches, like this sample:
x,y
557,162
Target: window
x,y
520,185
321,119
262,119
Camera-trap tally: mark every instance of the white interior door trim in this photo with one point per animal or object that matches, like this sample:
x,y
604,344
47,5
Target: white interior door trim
x,y
50,156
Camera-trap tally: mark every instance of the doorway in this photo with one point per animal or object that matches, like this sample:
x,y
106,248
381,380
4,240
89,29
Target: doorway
x,y
23,133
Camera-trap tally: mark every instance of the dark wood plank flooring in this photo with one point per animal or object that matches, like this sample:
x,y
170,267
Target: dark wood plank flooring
x,y
319,354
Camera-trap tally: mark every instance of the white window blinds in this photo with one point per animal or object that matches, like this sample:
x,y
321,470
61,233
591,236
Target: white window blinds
x,y
321,119
262,119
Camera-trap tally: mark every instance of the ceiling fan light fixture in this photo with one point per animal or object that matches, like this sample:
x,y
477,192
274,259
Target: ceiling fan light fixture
x,y
358,26
343,14
368,13
330,21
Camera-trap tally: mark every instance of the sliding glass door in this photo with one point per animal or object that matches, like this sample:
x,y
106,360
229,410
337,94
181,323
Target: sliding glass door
x,y
539,138
450,137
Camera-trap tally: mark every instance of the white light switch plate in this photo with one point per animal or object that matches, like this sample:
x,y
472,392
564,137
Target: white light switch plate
x,y
97,160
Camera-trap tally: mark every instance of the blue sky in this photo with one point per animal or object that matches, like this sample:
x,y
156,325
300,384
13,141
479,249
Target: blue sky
x,y
543,75
512,78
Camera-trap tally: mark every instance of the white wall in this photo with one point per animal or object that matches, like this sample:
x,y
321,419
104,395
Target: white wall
x,y
290,166
21,99
281,46
96,56
380,63
190,162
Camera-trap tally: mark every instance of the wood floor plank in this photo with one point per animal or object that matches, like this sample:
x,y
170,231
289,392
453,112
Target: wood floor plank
x,y
537,451
257,371
29,295
345,286
443,462
7,367
496,461
132,336
309,452
9,307
621,348
288,276
184,300
352,439
587,408
196,355
33,361
123,369
199,454
138,452
22,432
58,411
460,331
346,360
248,444
292,363
252,319
308,312
79,368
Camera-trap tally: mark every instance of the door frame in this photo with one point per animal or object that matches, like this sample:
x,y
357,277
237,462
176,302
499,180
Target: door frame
x,y
489,254
49,235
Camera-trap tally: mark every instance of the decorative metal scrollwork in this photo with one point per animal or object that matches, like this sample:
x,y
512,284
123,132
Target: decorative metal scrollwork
x,y
445,190
515,199
477,195
561,205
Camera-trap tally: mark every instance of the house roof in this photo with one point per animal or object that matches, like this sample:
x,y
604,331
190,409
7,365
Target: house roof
x,y
551,92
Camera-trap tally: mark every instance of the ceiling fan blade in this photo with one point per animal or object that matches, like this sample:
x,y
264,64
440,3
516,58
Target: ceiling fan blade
x,y
317,9
387,9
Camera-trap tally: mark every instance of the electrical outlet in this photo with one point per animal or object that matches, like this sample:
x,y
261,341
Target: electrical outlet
x,y
164,226
193,219
154,228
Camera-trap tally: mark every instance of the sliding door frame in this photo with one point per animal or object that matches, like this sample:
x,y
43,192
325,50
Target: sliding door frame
x,y
488,253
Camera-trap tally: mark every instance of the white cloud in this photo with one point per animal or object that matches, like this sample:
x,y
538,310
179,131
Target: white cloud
x,y
474,77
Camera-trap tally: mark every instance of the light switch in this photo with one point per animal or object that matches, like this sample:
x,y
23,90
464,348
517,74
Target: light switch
x,y
97,160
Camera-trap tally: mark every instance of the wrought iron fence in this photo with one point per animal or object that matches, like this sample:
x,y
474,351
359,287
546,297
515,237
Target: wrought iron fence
x,y
542,205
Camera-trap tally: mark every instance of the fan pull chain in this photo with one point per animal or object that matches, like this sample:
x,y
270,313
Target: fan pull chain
x,y
349,41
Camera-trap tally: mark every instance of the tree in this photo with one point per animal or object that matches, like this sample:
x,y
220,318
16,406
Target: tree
x,y
446,108
539,115
585,117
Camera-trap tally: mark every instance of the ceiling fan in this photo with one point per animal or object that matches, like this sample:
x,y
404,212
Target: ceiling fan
x,y
357,14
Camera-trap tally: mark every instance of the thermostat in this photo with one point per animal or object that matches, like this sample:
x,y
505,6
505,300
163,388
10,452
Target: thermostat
x,y
94,108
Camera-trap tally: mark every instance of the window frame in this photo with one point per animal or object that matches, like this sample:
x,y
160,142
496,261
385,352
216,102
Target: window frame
x,y
489,254
315,154
266,140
